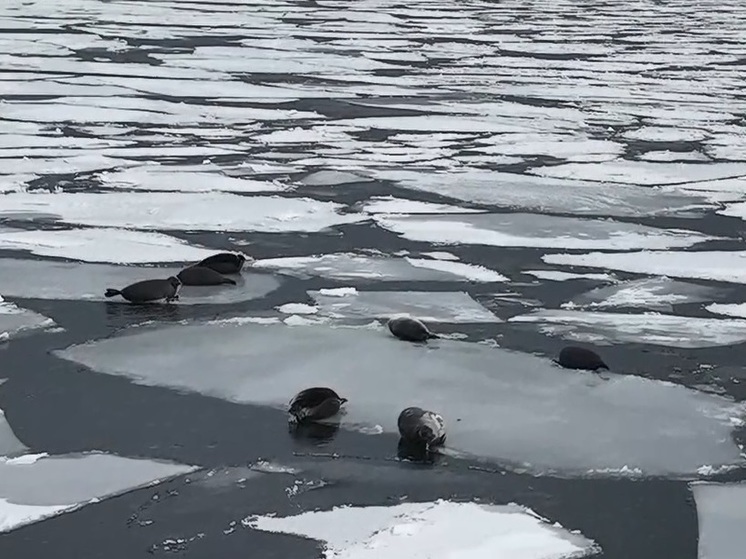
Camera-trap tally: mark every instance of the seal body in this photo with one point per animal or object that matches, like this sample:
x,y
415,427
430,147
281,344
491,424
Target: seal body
x,y
201,275
574,357
149,291
314,403
421,427
410,329
224,262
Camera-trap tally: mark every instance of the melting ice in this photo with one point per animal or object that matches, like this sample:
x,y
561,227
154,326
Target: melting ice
x,y
515,408
15,320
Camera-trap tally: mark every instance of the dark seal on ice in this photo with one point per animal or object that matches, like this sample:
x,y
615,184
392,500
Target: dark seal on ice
x,y
574,357
224,262
201,275
421,428
313,404
410,329
149,291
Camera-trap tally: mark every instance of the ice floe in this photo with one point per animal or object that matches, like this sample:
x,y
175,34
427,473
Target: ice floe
x,y
728,309
350,266
558,275
14,320
36,279
33,490
214,211
532,230
659,293
645,328
515,408
116,246
721,515
392,205
434,306
727,266
430,530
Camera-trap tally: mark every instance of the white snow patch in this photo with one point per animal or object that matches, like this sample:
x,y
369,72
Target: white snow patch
x,y
441,255
472,272
728,309
721,513
297,308
338,291
431,531
557,275
648,328
332,178
392,205
532,414
15,320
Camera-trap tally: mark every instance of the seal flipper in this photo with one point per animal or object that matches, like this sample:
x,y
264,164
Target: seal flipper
x,y
112,292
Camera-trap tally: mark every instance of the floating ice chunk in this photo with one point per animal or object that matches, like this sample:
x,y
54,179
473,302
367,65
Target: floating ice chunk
x,y
516,408
214,211
556,275
338,292
669,156
561,146
721,514
332,178
434,306
14,320
735,309
441,255
349,266
74,281
727,266
33,491
117,246
392,205
172,178
734,210
652,293
297,308
642,172
435,123
532,230
510,190
649,328
665,134
431,531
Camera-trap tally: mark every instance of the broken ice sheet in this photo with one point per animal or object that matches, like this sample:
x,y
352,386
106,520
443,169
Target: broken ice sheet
x,y
392,205
433,306
728,266
648,328
350,266
332,178
43,486
36,279
721,514
511,190
429,530
535,230
14,320
557,275
728,309
659,293
117,246
517,409
213,211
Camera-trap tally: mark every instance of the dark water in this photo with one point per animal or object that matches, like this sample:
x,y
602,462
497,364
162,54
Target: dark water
x,y
57,407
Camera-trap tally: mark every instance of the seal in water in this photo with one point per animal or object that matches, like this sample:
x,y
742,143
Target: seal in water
x,y
410,329
574,357
201,275
421,427
313,404
224,262
149,290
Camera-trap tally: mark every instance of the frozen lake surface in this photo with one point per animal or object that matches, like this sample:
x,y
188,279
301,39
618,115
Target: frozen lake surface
x,y
521,176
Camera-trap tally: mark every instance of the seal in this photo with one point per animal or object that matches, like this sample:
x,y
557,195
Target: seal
x,y
149,291
201,275
224,262
313,404
420,427
575,357
410,329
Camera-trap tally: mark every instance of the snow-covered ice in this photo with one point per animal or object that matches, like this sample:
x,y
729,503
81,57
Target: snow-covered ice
x,y
434,306
36,279
658,293
644,328
15,320
116,246
515,408
350,266
558,275
213,211
726,266
431,530
721,514
534,230
392,205
33,490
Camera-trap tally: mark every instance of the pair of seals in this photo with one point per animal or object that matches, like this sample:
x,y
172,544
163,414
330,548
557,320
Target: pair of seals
x,y
410,329
206,272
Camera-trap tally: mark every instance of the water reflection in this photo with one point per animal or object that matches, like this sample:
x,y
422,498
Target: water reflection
x,y
313,433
